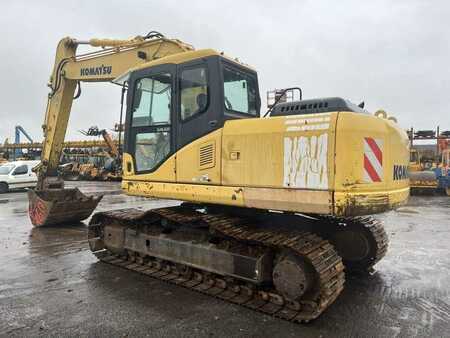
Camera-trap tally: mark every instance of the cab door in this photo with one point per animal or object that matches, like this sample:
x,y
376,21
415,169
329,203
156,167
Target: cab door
x,y
200,111
150,121
200,119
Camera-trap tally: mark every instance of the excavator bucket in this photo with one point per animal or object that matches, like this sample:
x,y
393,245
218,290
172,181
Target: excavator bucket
x,y
60,206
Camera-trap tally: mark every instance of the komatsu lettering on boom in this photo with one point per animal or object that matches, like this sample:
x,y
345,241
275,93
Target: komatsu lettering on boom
x,y
102,70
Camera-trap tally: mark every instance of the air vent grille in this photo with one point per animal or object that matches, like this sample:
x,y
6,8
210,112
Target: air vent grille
x,y
207,155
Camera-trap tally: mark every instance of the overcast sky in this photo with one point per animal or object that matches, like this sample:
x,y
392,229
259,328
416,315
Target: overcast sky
x,y
393,55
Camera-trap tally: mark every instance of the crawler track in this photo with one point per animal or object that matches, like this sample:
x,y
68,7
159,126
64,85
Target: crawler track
x,y
371,228
318,252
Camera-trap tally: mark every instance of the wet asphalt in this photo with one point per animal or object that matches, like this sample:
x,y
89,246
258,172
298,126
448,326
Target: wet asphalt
x,y
52,286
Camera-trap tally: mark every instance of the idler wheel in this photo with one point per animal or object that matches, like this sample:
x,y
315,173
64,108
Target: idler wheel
x,y
351,244
356,245
360,241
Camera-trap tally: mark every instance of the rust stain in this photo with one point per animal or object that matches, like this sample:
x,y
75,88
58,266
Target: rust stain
x,y
363,205
38,211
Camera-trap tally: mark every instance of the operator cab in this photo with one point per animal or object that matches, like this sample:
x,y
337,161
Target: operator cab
x,y
192,94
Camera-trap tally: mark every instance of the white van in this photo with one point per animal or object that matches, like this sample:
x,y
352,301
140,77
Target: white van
x,y
17,174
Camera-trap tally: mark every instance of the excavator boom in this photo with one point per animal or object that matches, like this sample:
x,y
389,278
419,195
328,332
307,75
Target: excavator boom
x,y
113,59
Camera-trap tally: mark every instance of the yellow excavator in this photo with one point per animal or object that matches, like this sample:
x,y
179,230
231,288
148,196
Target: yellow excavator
x,y
273,207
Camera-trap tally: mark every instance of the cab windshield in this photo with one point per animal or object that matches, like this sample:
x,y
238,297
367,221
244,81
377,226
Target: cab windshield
x,y
6,169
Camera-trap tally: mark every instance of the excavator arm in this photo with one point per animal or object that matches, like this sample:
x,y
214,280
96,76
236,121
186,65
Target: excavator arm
x,y
112,59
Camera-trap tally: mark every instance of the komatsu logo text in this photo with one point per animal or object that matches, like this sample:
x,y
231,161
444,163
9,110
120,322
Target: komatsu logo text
x,y
101,70
400,172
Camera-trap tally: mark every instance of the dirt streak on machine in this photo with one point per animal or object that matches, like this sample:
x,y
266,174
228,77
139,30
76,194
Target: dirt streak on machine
x,y
274,207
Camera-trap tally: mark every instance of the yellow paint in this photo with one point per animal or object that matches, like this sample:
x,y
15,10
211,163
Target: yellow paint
x,y
177,58
305,163
294,200
351,130
188,165
414,160
164,173
351,191
251,157
187,192
260,143
354,203
424,184
186,57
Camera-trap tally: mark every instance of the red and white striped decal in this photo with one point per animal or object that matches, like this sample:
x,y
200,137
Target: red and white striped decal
x,y
373,159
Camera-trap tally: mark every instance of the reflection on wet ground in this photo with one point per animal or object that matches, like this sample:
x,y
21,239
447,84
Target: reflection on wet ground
x,y
50,284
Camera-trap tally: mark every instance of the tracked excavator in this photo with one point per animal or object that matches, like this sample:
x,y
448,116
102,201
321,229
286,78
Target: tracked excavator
x,y
272,208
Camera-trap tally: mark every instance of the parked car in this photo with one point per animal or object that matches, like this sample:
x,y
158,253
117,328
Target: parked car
x,y
17,175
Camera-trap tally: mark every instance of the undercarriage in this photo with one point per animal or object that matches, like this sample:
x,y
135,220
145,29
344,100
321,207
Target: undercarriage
x,y
274,263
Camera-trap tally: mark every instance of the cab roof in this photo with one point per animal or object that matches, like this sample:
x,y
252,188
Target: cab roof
x,y
178,58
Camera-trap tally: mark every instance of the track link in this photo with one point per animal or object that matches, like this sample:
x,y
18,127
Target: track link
x,y
319,253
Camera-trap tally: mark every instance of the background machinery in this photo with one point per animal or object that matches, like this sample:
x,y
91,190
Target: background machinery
x,y
112,168
428,168
84,165
442,172
14,151
422,178
273,207
69,147
96,163
19,130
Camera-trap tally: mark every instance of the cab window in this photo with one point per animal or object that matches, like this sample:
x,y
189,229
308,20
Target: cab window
x,y
194,92
240,92
152,99
152,149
